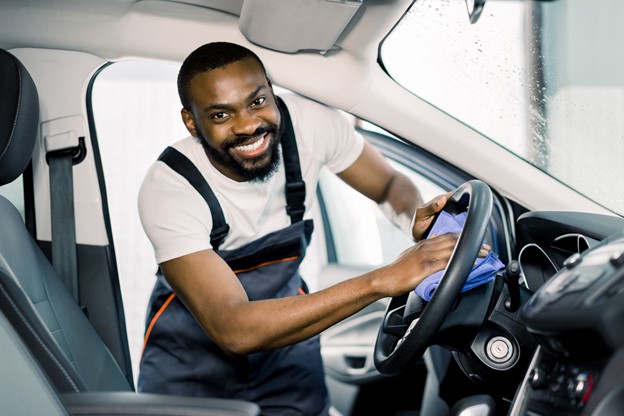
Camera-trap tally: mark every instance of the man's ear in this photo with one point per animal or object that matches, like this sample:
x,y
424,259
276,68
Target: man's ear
x,y
189,122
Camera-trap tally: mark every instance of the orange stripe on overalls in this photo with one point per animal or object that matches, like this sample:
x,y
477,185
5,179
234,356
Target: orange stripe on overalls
x,y
155,318
172,296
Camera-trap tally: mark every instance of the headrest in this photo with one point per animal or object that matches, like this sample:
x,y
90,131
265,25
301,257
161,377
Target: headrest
x,y
19,117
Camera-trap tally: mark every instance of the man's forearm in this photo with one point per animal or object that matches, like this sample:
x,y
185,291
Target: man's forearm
x,y
402,200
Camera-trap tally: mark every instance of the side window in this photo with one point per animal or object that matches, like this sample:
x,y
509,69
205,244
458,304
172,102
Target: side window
x,y
352,235
362,235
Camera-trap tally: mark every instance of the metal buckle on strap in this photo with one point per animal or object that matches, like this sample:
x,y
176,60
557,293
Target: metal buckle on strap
x,y
219,233
296,190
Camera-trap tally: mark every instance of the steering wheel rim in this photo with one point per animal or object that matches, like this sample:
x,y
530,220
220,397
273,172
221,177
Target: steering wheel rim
x,y
392,352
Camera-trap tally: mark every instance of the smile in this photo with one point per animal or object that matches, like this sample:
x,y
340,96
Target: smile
x,y
253,146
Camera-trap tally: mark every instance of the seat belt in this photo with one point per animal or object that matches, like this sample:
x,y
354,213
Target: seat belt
x,y
63,150
295,186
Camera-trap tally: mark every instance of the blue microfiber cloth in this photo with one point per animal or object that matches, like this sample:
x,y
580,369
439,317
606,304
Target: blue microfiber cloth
x,y
483,271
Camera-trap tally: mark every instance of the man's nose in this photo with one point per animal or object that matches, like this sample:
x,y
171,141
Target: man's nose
x,y
246,123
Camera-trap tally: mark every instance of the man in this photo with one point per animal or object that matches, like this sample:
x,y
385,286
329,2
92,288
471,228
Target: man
x,y
226,211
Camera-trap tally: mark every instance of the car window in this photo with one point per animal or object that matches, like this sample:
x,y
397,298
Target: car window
x,y
362,235
542,79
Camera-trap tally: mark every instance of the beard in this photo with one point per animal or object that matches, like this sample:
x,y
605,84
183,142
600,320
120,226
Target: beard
x,y
255,170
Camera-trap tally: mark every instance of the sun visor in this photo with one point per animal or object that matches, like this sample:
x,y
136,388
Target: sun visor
x,y
294,25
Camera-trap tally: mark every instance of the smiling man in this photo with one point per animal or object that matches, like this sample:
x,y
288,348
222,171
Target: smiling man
x,y
228,213
241,130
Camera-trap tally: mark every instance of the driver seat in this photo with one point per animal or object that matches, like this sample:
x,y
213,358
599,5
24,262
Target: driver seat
x,y
71,357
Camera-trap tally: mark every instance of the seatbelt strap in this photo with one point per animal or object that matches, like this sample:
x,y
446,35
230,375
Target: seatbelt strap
x,y
63,150
295,187
182,165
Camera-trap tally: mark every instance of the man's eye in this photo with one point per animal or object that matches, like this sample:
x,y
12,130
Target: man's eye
x,y
259,101
219,116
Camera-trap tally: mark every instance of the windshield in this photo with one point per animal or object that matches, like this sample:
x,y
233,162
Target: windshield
x,y
544,79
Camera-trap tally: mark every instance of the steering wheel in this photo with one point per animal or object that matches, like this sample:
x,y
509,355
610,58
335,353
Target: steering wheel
x,y
405,333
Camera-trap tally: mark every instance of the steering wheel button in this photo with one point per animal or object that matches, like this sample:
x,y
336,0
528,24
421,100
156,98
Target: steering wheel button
x,y
584,279
572,261
617,259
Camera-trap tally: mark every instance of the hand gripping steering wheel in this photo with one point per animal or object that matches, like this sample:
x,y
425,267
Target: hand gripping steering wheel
x,y
404,336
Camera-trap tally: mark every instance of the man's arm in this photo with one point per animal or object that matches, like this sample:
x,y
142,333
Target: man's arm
x,y
374,177
212,292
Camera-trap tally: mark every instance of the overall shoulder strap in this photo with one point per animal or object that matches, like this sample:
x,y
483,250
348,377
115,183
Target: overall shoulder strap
x,y
182,165
295,187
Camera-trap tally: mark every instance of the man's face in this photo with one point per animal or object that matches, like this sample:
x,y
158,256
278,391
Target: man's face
x,y
235,115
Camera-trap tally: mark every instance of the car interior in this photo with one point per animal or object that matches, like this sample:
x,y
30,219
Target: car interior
x,y
88,100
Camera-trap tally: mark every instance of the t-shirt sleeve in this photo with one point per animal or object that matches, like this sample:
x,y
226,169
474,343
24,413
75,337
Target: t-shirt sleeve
x,y
346,147
177,221
330,134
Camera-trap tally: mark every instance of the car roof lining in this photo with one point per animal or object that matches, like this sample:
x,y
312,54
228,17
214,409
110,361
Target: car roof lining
x,y
183,22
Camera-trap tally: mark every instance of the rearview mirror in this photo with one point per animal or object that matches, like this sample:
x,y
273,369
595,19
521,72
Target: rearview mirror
x,y
475,7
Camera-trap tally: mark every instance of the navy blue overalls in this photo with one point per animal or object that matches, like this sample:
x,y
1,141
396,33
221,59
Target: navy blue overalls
x,y
179,358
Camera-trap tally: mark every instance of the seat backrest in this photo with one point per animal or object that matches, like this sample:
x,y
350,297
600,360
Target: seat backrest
x,y
31,294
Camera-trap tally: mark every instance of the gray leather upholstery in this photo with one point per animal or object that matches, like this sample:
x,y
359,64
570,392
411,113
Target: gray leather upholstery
x,y
19,113
21,259
132,404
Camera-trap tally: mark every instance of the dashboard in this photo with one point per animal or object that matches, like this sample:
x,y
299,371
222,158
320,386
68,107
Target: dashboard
x,y
575,266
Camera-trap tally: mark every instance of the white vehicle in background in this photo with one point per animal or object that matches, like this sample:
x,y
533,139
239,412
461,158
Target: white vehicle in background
x,y
515,104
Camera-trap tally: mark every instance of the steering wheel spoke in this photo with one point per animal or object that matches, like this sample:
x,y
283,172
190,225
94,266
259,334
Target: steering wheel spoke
x,y
393,323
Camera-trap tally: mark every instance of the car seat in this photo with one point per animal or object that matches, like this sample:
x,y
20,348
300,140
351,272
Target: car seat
x,y
71,355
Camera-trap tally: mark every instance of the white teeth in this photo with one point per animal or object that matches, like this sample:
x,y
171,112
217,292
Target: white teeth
x,y
251,147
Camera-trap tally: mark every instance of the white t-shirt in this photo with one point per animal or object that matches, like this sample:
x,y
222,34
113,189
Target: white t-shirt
x,y
177,219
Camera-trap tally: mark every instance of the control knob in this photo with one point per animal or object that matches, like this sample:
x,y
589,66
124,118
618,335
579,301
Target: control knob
x,y
538,379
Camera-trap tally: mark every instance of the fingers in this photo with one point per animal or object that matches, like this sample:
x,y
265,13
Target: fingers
x,y
432,207
440,248
443,243
425,215
436,255
423,259
436,252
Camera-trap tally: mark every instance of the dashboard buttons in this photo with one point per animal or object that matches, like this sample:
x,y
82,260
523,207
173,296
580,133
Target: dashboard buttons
x,y
538,378
565,388
579,386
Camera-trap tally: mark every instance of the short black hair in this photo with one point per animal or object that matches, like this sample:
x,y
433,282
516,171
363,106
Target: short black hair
x,y
210,56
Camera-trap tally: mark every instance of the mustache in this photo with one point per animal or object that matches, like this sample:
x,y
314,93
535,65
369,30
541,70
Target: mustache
x,y
243,138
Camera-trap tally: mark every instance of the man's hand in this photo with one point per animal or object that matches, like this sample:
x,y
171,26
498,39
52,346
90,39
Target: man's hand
x,y
425,215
